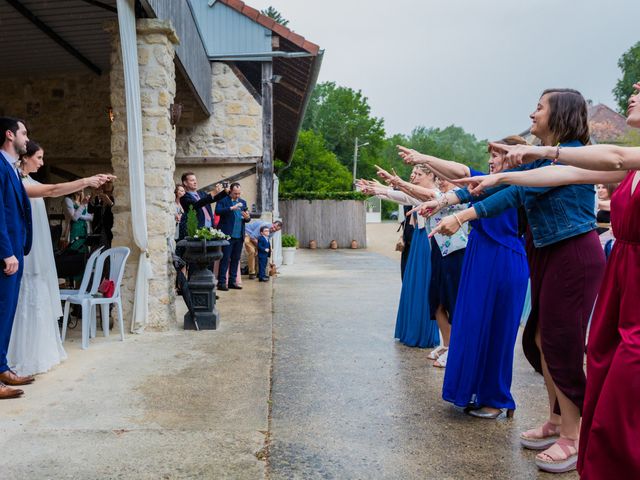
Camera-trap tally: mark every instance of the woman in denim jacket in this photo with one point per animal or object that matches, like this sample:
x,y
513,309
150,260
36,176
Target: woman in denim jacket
x,y
566,264
610,431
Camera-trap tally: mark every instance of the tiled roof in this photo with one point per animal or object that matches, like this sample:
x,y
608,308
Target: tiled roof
x,y
272,25
606,125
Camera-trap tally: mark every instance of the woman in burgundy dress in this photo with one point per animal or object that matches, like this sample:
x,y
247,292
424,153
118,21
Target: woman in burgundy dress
x,y
610,433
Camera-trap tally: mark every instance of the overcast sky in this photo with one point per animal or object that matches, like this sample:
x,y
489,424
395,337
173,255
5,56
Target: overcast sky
x,y
479,64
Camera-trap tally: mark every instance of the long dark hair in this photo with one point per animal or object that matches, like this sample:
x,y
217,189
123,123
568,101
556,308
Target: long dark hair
x,y
32,148
568,118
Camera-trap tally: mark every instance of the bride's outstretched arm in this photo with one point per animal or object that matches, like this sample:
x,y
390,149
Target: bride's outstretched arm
x,y
39,190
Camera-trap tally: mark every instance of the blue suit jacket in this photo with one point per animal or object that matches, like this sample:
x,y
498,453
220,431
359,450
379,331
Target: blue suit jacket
x,y
228,216
15,213
187,200
263,244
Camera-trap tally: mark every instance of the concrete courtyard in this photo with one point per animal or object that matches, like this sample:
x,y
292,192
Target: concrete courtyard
x,y
303,380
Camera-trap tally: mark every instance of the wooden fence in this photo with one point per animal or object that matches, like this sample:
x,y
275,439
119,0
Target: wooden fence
x,y
325,220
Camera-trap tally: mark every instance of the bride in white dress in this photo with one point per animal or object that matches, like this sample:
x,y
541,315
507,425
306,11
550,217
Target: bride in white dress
x,y
35,344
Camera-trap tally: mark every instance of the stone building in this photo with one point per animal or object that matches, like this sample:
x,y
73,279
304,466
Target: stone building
x,y
147,89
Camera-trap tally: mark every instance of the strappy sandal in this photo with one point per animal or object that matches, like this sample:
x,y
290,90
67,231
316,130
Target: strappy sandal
x,y
540,438
436,352
560,457
441,362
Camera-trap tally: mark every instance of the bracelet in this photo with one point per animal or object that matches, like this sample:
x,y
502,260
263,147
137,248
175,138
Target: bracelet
x,y
557,155
458,219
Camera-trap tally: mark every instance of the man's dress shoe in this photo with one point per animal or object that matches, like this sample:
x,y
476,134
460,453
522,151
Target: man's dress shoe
x,y
222,287
235,287
10,378
8,392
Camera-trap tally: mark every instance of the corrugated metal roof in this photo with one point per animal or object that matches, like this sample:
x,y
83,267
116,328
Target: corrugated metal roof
x,y
226,31
30,51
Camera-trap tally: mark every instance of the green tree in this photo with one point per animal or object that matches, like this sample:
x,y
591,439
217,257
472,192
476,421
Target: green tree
x,y
450,143
629,63
341,115
276,15
314,168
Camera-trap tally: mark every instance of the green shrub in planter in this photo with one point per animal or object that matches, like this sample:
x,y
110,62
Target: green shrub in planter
x,y
289,241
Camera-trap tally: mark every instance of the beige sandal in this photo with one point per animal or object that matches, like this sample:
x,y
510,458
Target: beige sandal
x,y
540,438
560,457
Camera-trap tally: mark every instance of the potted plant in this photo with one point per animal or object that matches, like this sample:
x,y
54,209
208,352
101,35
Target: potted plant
x,y
289,245
202,247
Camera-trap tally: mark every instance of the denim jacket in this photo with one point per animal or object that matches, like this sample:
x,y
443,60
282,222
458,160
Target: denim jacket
x,y
554,213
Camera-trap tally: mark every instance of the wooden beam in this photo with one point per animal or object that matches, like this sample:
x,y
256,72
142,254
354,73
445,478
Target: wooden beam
x,y
96,3
245,81
284,105
229,161
26,13
233,178
265,173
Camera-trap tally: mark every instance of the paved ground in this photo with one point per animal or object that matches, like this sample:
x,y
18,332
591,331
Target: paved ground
x,y
347,401
174,405
350,402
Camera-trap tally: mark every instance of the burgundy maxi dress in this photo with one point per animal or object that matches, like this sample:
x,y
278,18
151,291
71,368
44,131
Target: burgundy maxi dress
x,y
610,432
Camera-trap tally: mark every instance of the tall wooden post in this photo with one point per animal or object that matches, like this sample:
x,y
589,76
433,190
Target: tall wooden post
x,y
265,182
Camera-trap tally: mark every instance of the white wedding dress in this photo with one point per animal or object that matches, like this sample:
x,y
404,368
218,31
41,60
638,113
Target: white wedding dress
x,y
35,344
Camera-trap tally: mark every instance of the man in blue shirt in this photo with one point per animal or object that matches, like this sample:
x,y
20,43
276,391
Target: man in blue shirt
x,y
233,215
251,241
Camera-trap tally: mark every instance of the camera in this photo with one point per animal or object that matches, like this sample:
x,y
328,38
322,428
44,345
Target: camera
x,y
225,185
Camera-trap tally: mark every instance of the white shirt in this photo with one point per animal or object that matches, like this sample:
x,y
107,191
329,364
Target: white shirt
x,y
12,161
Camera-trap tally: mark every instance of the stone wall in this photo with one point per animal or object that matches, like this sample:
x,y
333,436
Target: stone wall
x,y
157,90
233,130
66,114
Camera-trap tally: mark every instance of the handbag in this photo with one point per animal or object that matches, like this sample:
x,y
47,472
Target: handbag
x,y
400,244
107,288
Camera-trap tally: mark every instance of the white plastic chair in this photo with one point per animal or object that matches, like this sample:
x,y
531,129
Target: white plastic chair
x,y
89,300
86,277
65,293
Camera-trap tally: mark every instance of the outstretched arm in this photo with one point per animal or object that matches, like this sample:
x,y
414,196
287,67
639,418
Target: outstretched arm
x,y
59,189
443,168
551,176
591,157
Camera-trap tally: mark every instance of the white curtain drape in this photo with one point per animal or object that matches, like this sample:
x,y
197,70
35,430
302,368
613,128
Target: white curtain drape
x,y
127,27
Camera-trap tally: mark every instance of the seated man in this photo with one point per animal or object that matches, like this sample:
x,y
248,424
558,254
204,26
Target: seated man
x,y
251,241
233,215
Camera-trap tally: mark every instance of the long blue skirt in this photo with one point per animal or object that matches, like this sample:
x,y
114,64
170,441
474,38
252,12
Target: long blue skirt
x,y
414,326
487,316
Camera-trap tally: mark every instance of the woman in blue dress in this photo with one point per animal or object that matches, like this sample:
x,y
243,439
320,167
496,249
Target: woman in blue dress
x,y
491,295
414,326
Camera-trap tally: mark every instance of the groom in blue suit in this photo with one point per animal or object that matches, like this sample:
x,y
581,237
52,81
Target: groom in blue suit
x,y
15,242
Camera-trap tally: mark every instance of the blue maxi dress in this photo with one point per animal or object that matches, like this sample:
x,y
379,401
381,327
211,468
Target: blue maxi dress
x,y
414,326
487,314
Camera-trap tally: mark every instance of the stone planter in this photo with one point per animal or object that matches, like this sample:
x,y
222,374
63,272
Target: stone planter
x,y
288,255
200,256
